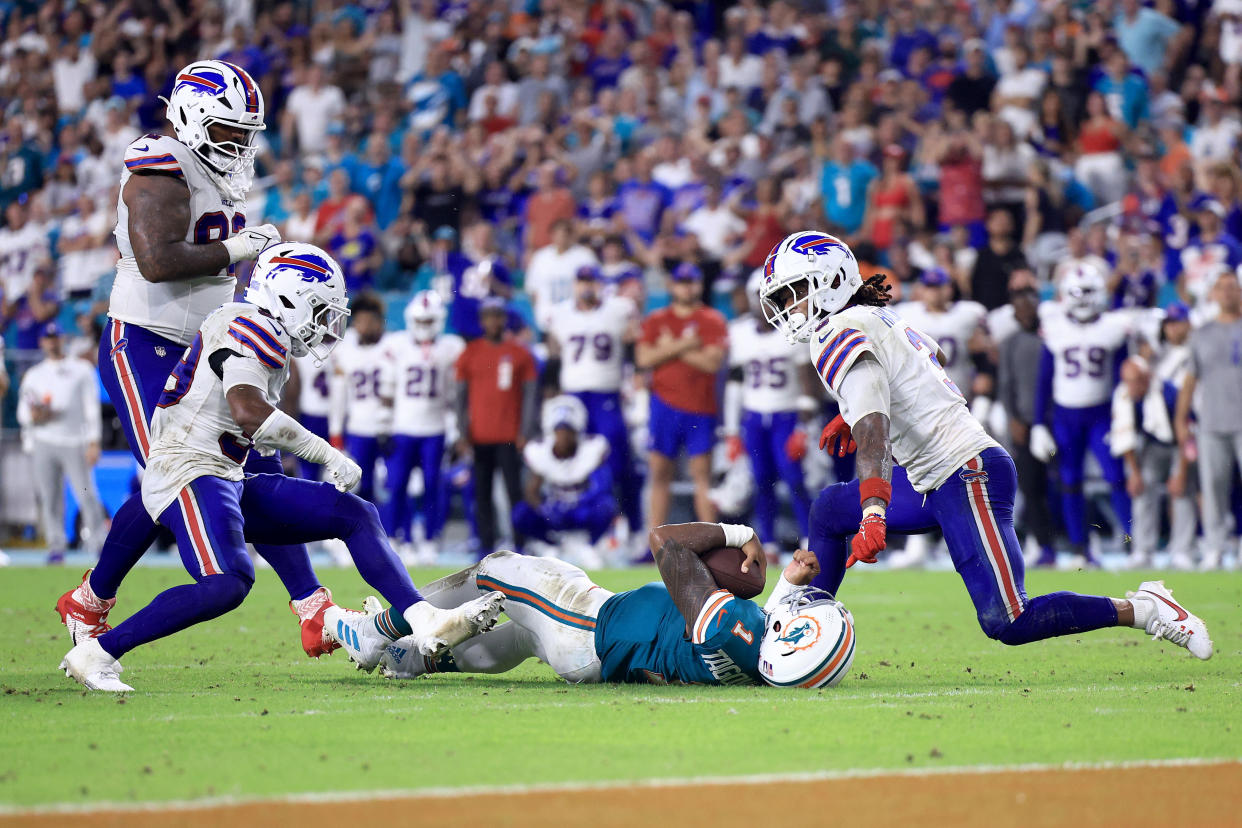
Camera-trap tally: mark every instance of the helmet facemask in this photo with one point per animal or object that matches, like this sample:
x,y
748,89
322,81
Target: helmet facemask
x,y
781,308
318,335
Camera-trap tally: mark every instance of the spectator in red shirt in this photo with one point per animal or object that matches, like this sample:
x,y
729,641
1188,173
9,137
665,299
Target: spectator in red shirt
x,y
497,389
683,346
551,202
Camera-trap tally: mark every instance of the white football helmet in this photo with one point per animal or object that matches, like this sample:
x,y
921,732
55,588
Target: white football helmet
x,y
1084,291
809,641
563,410
806,264
424,316
214,92
301,286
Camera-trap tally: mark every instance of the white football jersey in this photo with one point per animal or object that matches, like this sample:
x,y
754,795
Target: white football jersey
x,y
564,481
952,330
193,432
174,310
419,381
592,343
769,366
315,386
363,368
1084,355
931,429
20,252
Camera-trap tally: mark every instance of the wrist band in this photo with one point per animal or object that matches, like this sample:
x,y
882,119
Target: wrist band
x,y
875,487
736,535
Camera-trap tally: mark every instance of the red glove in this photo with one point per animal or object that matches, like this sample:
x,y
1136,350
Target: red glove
x,y
836,438
795,446
871,538
733,448
337,442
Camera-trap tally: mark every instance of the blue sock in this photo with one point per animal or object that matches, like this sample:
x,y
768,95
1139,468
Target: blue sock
x,y
132,533
174,610
1060,613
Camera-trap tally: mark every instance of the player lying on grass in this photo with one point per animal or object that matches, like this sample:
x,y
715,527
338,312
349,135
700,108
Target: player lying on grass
x,y
886,376
218,405
685,630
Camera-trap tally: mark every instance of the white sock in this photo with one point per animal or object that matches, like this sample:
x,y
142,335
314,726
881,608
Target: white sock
x,y
1144,610
86,596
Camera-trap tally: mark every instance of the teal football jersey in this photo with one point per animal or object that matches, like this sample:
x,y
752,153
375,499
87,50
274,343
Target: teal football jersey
x,y
640,636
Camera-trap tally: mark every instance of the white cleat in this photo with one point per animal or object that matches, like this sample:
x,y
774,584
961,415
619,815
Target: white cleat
x,y
1181,561
1171,621
436,630
356,632
89,665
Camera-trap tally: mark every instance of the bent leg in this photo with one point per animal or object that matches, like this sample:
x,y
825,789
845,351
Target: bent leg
x,y
290,559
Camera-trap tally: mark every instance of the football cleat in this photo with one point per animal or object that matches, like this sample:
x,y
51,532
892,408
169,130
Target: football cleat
x,y
89,665
1171,621
436,630
310,611
82,613
356,633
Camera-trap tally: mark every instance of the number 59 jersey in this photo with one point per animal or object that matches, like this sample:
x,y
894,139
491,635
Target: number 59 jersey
x,y
193,430
419,381
932,431
174,310
769,366
1084,355
592,343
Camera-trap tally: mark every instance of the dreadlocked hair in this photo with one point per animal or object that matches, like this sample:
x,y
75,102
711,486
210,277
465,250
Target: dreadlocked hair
x,y
875,292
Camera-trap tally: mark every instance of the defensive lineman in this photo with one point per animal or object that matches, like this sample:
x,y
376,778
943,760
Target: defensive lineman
x,y
217,406
180,231
887,378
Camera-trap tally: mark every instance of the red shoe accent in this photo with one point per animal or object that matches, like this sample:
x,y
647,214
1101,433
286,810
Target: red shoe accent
x,y
313,641
81,621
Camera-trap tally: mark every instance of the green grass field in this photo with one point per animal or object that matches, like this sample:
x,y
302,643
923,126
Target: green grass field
x,y
233,708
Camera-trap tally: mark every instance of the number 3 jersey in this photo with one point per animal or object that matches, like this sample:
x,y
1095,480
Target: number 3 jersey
x,y
193,430
1084,355
767,361
640,636
932,432
419,381
174,310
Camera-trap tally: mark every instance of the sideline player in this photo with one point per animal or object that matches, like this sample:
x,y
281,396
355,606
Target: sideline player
x,y
314,392
1078,370
217,406
590,334
180,231
768,389
887,378
685,630
360,411
419,386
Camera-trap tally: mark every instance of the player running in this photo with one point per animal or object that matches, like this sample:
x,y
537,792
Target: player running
x,y
686,630
1079,368
216,407
418,385
887,378
180,231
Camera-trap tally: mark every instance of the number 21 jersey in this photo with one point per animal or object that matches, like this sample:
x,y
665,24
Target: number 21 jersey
x,y
419,381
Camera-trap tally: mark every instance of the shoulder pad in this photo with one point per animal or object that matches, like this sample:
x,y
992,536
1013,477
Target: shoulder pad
x,y
260,336
156,154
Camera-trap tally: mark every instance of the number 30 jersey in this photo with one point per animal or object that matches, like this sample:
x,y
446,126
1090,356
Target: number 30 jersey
x,y
768,363
174,310
932,431
363,367
419,381
592,343
640,636
1084,355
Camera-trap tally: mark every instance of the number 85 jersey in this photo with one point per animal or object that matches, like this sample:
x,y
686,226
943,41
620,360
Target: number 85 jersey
x,y
1084,355
174,310
932,431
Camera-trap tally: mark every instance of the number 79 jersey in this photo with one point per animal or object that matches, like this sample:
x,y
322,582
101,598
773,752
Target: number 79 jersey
x,y
768,363
932,431
1084,355
419,381
592,343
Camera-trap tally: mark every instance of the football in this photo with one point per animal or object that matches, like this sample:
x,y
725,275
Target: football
x,y
725,564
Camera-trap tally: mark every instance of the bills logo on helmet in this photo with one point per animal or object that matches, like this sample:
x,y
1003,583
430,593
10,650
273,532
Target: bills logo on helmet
x,y
802,632
202,81
311,267
817,243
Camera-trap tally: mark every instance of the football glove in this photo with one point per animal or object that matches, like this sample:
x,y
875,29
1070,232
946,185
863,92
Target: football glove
x,y
836,438
733,448
871,539
795,446
1043,446
249,242
342,472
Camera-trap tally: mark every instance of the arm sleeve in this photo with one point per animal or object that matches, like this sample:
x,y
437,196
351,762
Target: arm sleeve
x,y
782,589
1043,386
863,390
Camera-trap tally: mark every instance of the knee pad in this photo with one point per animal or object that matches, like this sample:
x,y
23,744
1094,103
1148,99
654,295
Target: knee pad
x,y
995,625
357,511
228,590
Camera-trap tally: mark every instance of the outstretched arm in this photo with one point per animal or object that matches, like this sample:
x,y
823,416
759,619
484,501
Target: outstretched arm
x,y
677,547
864,397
